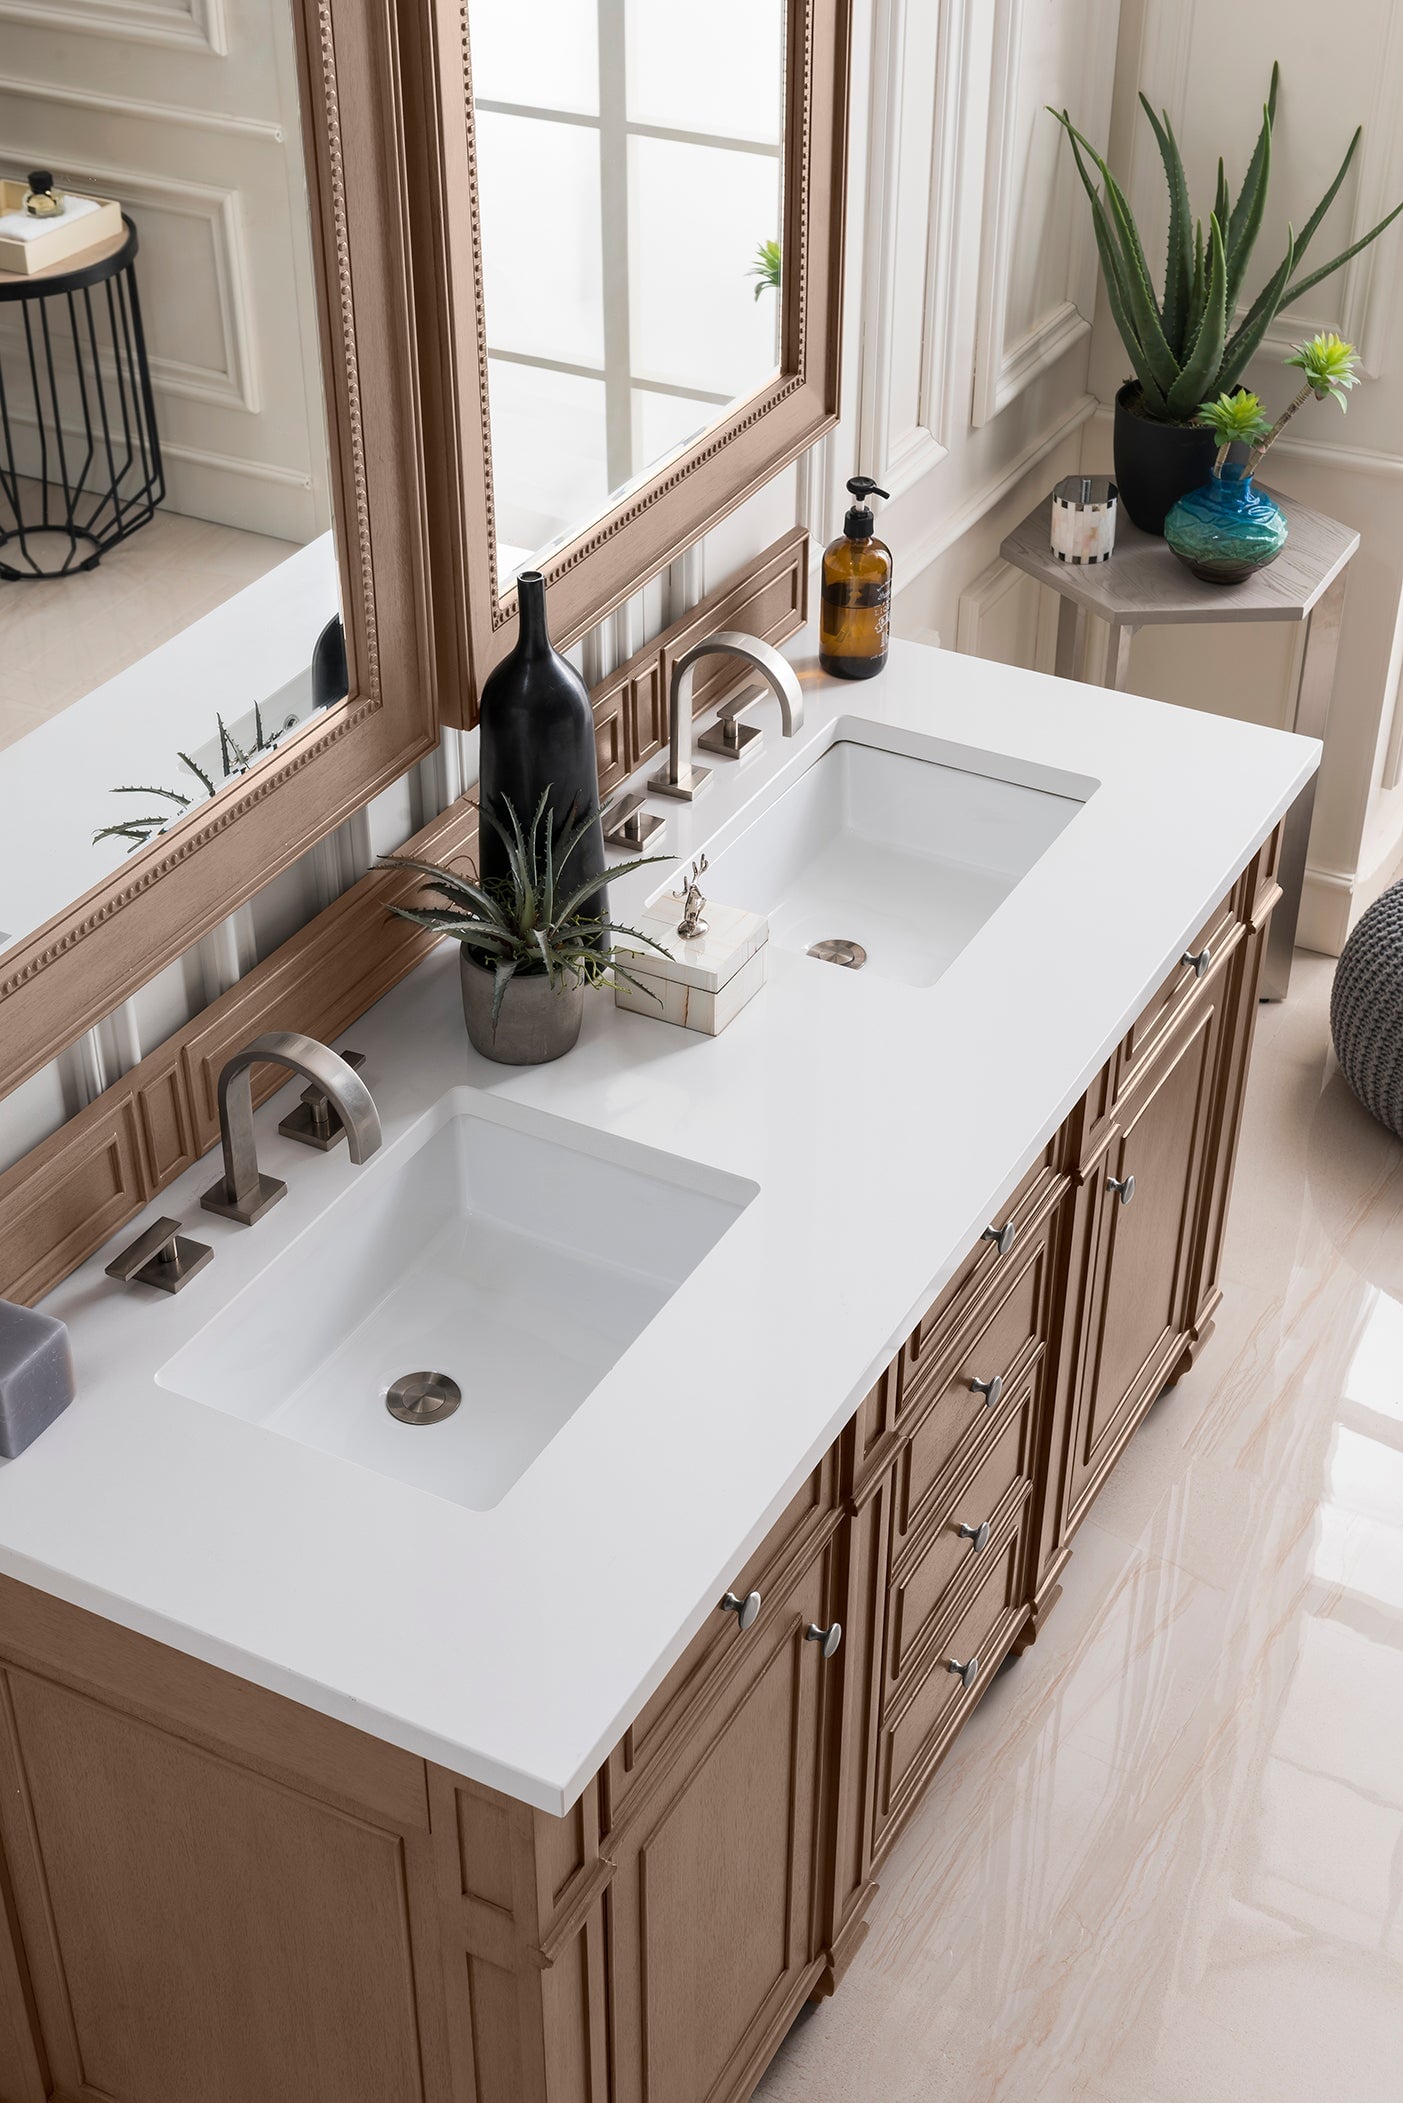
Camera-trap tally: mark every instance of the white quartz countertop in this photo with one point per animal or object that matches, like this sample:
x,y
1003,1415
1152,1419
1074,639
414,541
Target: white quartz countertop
x,y
883,1125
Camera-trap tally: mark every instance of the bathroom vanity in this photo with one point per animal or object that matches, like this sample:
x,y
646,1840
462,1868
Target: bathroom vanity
x,y
556,1756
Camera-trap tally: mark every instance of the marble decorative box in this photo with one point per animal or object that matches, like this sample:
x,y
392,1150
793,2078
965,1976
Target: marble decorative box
x,y
706,981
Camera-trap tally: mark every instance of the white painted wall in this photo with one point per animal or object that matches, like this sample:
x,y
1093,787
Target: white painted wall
x,y
1210,68
967,338
186,111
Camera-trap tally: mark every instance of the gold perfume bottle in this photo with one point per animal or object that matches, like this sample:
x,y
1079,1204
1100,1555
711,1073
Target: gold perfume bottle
x,y
41,199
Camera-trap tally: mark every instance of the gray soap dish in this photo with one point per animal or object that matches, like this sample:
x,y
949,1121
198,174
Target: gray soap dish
x,y
36,1375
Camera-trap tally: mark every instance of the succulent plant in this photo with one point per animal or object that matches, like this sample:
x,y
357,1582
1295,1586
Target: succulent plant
x,y
529,922
767,267
1328,363
1183,344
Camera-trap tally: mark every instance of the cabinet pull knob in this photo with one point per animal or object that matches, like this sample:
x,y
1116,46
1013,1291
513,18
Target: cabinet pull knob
x,y
1198,960
745,1610
1124,1186
1002,1237
827,1638
967,1673
989,1389
978,1534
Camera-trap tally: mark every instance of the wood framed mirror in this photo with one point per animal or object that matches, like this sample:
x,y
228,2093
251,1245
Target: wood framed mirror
x,y
640,214
74,945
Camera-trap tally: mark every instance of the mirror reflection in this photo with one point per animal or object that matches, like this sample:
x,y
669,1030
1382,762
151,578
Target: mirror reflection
x,y
631,178
168,579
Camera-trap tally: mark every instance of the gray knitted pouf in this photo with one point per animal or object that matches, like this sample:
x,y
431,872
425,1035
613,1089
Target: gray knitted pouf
x,y
1366,1010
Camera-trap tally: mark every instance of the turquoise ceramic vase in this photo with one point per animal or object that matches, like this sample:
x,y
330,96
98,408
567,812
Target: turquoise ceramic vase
x,y
1228,529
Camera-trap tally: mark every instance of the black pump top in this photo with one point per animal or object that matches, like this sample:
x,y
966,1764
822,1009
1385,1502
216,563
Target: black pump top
x,y
858,523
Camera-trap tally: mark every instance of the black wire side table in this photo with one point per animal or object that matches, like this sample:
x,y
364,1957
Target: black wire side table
x,y
80,459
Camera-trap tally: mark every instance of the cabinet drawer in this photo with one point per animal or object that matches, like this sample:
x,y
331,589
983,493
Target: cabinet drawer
x,y
719,1645
948,1415
978,1272
919,1722
998,1484
1220,931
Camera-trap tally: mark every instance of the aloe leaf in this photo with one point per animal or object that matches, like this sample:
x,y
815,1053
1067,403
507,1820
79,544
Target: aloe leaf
x,y
503,972
1139,293
1327,269
1243,344
1179,261
1311,227
1149,367
1193,383
1220,199
1246,221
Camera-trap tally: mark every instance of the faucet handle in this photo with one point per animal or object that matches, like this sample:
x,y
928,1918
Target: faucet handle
x,y
162,1257
316,1121
728,736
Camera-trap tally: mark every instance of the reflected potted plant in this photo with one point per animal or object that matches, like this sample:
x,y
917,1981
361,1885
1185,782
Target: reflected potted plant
x,y
528,952
1228,529
1187,344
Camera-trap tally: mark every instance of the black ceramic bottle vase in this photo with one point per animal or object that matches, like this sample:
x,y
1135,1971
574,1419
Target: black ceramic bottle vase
x,y
537,734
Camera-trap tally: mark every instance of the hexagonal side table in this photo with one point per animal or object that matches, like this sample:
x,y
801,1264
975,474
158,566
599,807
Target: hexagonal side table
x,y
1145,584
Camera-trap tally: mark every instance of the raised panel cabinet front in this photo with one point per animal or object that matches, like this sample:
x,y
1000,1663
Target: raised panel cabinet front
x,y
1146,1203
711,1910
192,1928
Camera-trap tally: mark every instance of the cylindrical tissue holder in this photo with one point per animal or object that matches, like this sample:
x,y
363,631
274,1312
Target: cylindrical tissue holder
x,y
1084,519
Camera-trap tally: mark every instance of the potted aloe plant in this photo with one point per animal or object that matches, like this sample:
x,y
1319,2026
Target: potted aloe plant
x,y
1191,342
528,952
1228,529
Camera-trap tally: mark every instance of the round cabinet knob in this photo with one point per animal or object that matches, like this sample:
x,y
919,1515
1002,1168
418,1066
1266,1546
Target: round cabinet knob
x,y
745,1610
978,1534
967,1673
827,1638
1198,960
1124,1186
1002,1237
989,1389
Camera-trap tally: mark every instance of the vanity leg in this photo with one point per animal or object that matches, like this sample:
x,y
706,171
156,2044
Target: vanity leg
x,y
1033,1627
1118,640
1070,623
1311,717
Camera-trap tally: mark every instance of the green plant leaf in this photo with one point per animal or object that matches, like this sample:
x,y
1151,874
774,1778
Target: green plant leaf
x,y
503,972
1243,344
1308,231
1220,198
1246,221
1206,356
1179,258
1140,298
1130,297
1327,269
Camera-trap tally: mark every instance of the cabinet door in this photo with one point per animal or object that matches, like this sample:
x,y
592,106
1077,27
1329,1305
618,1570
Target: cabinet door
x,y
1145,1243
711,1912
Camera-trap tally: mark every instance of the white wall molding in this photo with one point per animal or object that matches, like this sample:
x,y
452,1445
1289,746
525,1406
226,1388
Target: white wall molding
x,y
187,114
1003,369
1002,590
919,556
188,25
918,144
233,384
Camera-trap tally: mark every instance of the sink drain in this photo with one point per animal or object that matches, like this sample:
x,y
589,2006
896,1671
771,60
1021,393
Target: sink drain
x,y
423,1398
836,950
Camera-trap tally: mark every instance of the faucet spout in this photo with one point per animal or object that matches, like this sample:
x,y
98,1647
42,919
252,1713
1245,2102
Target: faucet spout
x,y
242,1193
680,778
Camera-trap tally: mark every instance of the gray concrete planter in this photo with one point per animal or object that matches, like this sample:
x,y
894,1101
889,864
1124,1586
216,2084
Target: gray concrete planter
x,y
538,1021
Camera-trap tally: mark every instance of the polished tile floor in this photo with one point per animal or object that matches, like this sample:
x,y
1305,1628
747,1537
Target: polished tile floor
x,y
1164,1862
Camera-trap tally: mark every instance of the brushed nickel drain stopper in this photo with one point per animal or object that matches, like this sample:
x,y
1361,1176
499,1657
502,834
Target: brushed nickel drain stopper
x,y
838,950
422,1398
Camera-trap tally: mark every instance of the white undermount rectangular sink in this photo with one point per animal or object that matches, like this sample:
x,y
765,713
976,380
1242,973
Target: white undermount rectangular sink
x,y
906,855
513,1251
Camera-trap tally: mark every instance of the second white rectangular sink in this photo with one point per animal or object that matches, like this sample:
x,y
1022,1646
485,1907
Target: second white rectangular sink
x,y
513,1251
906,856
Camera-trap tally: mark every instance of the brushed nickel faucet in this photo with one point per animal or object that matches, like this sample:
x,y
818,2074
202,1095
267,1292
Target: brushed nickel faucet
x,y
679,777
241,1192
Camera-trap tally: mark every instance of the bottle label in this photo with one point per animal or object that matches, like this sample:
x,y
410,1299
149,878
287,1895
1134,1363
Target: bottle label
x,y
847,595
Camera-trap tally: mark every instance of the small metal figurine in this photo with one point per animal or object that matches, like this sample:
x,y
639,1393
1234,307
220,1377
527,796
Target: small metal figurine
x,y
693,904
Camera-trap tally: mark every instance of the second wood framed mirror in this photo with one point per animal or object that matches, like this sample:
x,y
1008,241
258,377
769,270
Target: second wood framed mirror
x,y
640,211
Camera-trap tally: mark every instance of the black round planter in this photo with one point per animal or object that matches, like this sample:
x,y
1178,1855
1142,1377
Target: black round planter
x,y
1156,464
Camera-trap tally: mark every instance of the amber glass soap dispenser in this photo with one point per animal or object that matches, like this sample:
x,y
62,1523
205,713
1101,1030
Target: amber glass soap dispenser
x,y
856,599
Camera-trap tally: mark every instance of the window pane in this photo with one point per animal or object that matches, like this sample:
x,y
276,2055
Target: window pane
x,y
539,186
547,54
698,214
548,456
666,421
717,68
